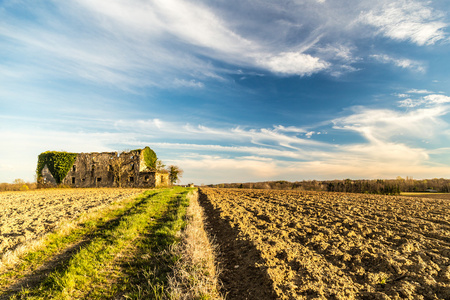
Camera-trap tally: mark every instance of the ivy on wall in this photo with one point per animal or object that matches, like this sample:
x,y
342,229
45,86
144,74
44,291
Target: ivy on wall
x,y
150,158
58,163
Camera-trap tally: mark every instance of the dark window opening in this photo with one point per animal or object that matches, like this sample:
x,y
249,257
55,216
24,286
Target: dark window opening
x,y
93,168
131,167
99,179
131,179
110,168
73,180
74,168
146,178
83,180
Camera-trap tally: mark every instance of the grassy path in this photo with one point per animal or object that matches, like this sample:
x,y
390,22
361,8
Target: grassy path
x,y
123,253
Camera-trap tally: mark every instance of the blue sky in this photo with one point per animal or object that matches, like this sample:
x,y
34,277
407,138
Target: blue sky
x,y
230,91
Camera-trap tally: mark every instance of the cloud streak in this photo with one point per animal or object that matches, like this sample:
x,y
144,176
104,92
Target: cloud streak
x,y
400,62
122,74
134,44
407,21
393,145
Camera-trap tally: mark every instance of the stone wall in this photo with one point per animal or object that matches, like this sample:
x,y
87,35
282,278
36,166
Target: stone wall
x,y
47,177
110,169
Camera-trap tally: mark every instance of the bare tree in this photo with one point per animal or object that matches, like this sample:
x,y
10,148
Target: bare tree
x,y
159,165
118,168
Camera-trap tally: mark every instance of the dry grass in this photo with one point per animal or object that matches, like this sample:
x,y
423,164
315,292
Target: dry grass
x,y
195,275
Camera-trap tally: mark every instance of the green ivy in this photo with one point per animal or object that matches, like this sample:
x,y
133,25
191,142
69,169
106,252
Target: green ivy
x,y
150,158
58,163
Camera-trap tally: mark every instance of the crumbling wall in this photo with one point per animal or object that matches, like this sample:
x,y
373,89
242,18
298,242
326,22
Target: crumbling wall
x,y
162,179
91,170
110,169
47,178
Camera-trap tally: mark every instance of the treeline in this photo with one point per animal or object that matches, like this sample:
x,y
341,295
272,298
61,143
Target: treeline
x,y
373,186
17,185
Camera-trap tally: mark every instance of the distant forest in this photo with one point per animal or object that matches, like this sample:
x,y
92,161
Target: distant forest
x,y
375,186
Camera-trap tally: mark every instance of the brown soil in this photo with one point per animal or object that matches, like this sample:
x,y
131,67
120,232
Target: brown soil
x,y
27,215
240,276
441,196
317,245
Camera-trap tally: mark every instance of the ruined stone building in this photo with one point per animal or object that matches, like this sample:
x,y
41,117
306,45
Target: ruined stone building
x,y
107,169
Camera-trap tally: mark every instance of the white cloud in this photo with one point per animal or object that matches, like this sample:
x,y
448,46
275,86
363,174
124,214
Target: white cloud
x,y
402,95
338,52
407,20
417,91
437,99
188,83
293,63
400,62
207,34
134,44
408,102
309,134
281,128
393,146
429,100
380,126
276,137
184,44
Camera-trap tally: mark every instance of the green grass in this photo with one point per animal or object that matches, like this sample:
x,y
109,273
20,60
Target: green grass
x,y
148,273
127,252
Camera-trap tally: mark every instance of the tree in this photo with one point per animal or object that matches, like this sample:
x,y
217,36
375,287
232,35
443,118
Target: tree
x,y
175,173
159,165
19,182
118,168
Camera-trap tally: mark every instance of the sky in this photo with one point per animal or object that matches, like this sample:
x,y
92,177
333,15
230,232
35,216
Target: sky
x,y
230,91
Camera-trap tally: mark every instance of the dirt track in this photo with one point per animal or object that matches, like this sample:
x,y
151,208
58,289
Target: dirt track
x,y
307,245
27,215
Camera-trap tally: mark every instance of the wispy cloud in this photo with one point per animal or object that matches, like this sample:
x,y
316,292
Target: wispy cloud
x,y
278,136
196,26
429,100
400,62
99,69
405,20
383,125
417,91
188,83
134,44
394,143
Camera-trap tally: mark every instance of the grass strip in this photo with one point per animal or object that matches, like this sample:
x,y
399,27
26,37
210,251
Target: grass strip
x,y
152,266
68,234
151,227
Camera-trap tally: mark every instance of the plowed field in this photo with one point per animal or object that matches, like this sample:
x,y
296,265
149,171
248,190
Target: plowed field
x,y
27,215
315,245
